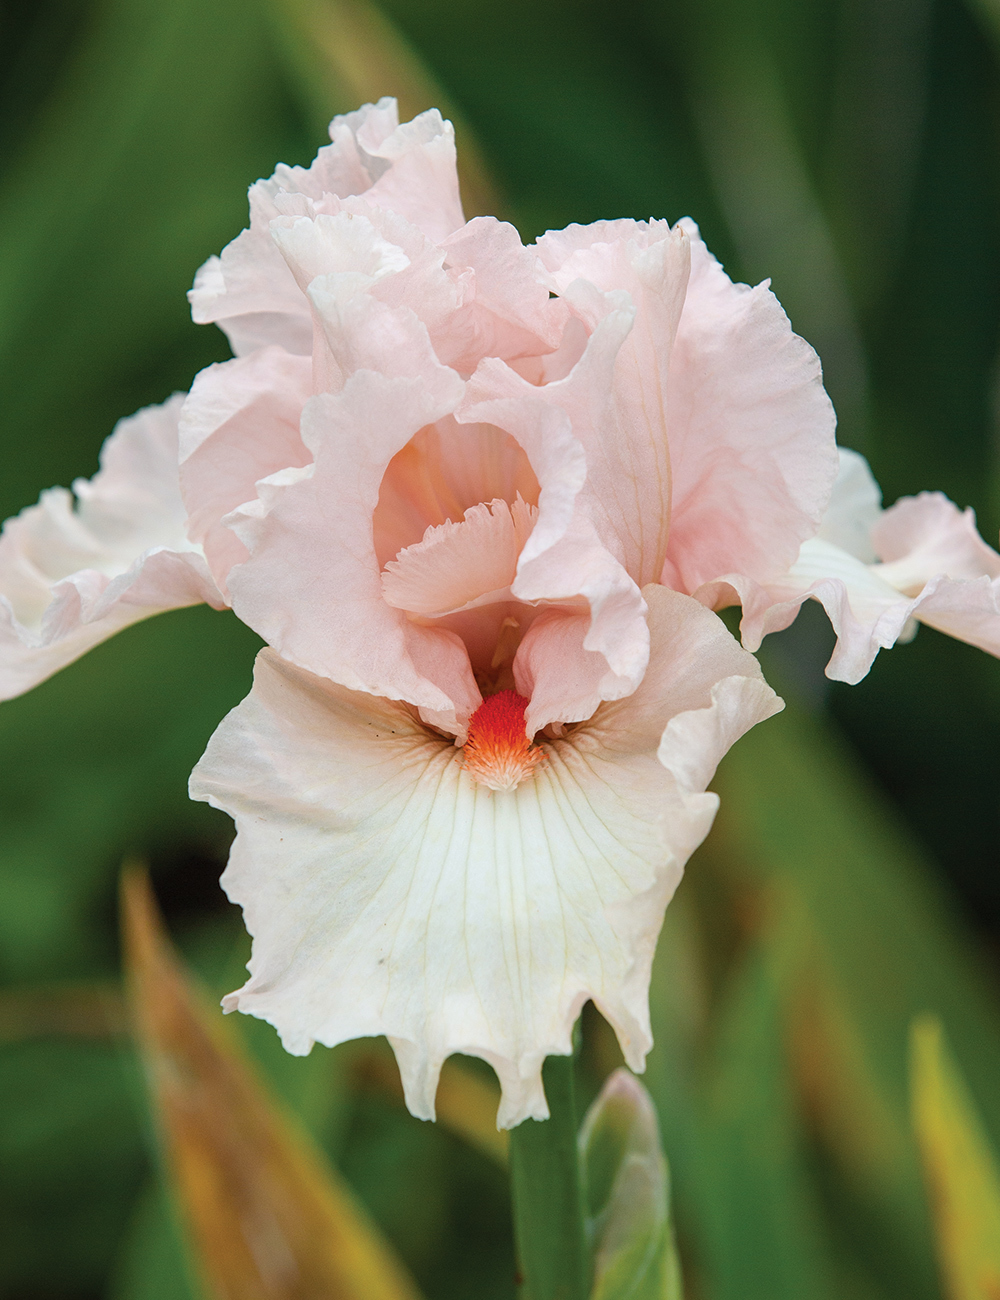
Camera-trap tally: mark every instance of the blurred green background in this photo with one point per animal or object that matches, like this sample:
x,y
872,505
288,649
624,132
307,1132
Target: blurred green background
x,y
846,148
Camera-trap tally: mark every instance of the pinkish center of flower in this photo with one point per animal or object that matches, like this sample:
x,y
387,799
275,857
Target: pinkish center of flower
x,y
498,752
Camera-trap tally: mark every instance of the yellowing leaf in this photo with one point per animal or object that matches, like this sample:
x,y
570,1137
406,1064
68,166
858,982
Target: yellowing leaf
x,y
467,1104
268,1220
77,1010
960,1167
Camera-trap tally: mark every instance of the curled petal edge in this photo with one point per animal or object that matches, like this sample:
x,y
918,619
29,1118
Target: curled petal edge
x,y
76,569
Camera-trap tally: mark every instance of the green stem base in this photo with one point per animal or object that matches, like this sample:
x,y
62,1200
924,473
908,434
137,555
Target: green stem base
x,y
549,1228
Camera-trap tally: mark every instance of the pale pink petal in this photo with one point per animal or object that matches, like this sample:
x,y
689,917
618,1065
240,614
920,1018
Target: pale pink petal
x,y
461,565
360,332
615,647
552,366
866,612
752,448
491,634
926,536
869,615
624,419
250,292
855,508
388,892
719,428
239,424
764,609
446,469
563,681
478,292
442,658
419,173
837,559
937,570
343,242
966,608
509,313
73,571
580,252
565,560
354,248
312,585
347,167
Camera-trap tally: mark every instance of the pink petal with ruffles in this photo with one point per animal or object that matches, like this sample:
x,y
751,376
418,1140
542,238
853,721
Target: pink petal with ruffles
x,y
446,469
965,608
752,449
354,248
250,292
311,586
565,560
419,173
563,681
478,293
619,395
509,313
360,332
614,651
923,536
390,892
844,541
239,424
463,565
75,571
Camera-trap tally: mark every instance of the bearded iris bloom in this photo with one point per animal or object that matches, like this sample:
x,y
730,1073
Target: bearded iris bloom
x,y
480,500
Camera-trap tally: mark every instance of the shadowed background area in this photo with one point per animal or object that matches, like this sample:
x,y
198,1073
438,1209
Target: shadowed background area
x,y
848,149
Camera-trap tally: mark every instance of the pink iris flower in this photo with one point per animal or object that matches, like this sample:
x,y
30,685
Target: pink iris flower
x,y
480,500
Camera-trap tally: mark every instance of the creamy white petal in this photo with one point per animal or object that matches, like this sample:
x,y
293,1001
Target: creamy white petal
x,y
388,892
855,508
75,569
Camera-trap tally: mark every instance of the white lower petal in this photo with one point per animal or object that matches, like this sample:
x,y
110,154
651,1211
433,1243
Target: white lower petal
x,y
389,893
855,508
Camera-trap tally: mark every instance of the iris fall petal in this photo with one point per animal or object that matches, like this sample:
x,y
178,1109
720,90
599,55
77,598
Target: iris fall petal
x,y
389,892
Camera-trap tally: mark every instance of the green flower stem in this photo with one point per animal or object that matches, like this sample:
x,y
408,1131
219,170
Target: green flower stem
x,y
549,1228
